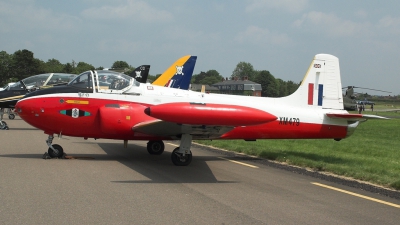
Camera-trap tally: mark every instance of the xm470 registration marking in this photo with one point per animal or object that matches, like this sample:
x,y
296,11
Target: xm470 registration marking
x,y
291,121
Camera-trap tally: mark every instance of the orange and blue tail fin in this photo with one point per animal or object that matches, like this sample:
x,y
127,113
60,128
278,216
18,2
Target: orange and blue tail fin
x,y
179,74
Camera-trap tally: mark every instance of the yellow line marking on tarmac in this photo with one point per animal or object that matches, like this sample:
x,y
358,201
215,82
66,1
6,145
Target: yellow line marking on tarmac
x,y
243,164
357,195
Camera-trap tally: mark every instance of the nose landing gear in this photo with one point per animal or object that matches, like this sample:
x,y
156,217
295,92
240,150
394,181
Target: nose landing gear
x,y
54,151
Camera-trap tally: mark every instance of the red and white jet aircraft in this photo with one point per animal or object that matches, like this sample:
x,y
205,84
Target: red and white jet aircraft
x,y
138,111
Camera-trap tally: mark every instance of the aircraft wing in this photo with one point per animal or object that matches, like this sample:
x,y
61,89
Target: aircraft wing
x,y
199,119
354,117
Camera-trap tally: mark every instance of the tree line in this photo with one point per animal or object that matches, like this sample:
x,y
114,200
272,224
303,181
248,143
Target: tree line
x,y
22,64
271,86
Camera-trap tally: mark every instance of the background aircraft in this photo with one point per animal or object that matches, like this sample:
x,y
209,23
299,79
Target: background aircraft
x,y
179,74
6,86
350,101
12,93
113,81
141,73
136,111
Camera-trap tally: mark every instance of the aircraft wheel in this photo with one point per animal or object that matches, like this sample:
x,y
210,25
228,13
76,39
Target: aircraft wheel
x,y
11,116
155,147
180,160
54,154
3,125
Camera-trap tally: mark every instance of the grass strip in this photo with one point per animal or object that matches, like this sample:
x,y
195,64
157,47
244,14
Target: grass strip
x,y
371,154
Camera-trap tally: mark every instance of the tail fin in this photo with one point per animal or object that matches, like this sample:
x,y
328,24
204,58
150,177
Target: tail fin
x,y
179,74
322,85
141,73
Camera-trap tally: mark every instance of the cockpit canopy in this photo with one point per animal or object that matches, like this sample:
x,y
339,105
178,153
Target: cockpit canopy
x,y
47,79
104,81
40,81
17,86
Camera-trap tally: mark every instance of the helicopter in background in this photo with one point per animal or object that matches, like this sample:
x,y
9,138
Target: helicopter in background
x,y
350,101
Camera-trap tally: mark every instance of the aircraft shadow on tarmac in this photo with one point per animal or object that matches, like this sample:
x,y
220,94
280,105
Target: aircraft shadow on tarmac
x,y
159,168
22,156
12,129
156,168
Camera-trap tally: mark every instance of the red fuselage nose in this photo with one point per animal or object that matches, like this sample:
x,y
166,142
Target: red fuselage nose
x,y
84,117
30,110
55,114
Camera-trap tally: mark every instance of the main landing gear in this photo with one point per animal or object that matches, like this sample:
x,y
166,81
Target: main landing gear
x,y
181,156
155,147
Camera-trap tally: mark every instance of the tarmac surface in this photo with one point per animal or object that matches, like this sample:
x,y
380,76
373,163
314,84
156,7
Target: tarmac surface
x,y
104,183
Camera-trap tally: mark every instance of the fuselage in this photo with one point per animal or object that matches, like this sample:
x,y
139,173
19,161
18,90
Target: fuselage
x,y
112,116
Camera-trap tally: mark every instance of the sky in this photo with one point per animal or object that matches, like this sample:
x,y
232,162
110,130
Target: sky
x,y
279,36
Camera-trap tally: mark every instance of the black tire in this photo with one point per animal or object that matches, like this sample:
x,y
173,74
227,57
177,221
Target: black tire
x,y
155,147
180,160
3,125
53,154
11,116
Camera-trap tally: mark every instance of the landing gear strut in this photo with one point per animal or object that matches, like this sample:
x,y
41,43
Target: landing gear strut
x,y
3,125
182,156
54,151
155,147
11,114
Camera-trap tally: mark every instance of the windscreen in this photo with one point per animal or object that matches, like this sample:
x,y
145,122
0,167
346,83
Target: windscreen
x,y
110,81
83,81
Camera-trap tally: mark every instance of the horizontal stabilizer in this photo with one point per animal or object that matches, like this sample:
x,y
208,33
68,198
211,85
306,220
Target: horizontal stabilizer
x,y
354,116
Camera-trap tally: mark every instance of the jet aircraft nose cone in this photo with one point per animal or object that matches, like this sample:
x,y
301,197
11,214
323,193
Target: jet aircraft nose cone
x,y
19,106
27,108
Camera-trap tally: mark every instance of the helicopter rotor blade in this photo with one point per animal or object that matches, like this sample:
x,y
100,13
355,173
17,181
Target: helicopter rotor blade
x,y
348,87
373,89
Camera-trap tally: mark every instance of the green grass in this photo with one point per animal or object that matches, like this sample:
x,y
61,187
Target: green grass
x,y
371,154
